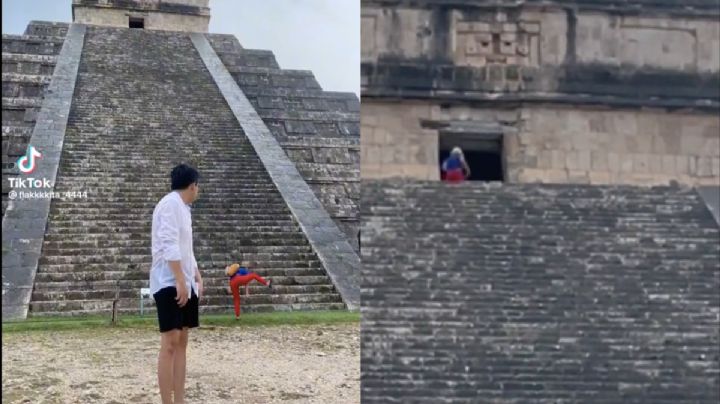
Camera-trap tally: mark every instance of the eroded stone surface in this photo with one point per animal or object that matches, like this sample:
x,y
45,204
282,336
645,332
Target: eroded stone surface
x,y
28,62
129,125
319,130
547,294
604,92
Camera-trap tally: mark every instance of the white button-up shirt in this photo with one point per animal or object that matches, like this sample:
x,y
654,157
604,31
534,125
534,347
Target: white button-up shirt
x,y
172,240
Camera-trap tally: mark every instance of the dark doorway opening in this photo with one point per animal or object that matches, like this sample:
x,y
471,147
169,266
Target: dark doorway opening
x,y
137,23
483,154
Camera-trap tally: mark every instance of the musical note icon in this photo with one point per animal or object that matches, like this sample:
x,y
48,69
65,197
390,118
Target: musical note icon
x,y
27,163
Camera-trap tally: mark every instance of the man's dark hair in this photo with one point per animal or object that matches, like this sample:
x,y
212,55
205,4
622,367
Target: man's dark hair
x,y
182,176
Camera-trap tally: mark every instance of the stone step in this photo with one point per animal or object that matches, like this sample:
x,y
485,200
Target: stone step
x,y
228,243
212,221
214,268
122,192
201,244
155,191
28,58
33,38
152,197
35,79
208,205
286,92
31,44
92,228
202,223
209,281
237,158
57,251
140,214
204,309
232,173
271,71
206,236
98,305
17,131
118,199
140,259
124,237
93,292
31,73
47,28
21,102
83,276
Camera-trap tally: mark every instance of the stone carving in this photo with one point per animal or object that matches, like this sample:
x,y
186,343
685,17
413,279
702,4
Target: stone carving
x,y
481,43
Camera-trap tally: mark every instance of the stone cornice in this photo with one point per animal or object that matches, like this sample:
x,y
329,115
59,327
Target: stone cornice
x,y
699,8
143,6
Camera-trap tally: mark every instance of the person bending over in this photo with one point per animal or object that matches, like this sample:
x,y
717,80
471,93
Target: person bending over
x,y
455,168
240,275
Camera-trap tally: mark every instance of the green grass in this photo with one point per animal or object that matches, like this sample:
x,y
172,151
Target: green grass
x,y
150,321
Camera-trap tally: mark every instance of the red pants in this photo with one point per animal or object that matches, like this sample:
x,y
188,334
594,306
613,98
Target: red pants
x,y
457,175
242,280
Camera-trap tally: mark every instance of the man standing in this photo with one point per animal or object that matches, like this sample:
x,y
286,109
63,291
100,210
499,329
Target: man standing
x,y
175,280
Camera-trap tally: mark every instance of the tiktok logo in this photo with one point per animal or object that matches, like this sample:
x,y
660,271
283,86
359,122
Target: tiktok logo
x,y
27,163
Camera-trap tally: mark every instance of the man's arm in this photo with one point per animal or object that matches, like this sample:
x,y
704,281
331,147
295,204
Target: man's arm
x,y
177,271
198,277
169,235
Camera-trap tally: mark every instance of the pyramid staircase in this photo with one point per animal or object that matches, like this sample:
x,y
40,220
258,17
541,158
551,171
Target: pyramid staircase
x,y
144,102
561,293
28,62
318,130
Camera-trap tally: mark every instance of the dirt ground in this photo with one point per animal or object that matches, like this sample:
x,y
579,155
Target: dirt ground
x,y
279,364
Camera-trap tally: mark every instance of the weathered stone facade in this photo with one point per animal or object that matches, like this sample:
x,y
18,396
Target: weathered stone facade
x,y
508,293
589,92
147,99
175,15
575,292
318,129
554,143
28,63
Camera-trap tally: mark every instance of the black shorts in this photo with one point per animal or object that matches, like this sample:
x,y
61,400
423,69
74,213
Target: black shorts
x,y
173,317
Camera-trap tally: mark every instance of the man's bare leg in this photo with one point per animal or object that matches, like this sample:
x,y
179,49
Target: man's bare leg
x,y
247,290
169,341
179,366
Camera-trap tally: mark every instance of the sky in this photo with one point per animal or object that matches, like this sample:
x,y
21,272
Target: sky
x,y
318,35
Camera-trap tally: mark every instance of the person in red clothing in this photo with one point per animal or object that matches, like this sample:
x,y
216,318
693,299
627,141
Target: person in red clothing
x,y
240,275
455,169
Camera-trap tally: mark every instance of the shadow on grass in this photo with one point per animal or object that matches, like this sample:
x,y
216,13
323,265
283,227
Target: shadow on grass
x,y
150,321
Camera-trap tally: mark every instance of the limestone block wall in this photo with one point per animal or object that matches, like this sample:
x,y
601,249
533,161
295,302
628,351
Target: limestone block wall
x,y
153,20
551,143
600,146
392,142
647,53
599,91
685,44
535,36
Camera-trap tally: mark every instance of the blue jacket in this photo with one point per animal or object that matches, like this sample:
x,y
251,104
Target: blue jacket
x,y
240,272
452,163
